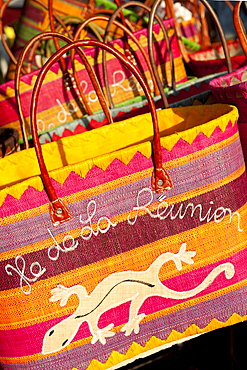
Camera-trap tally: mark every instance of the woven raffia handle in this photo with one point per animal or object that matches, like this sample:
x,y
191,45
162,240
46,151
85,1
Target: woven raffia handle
x,y
161,181
239,27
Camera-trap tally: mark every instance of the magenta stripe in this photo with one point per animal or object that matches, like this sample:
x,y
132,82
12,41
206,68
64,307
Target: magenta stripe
x,y
119,315
201,314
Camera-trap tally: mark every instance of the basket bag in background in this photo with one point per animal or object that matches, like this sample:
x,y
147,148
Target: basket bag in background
x,y
58,104
232,88
194,85
35,19
106,256
212,60
97,120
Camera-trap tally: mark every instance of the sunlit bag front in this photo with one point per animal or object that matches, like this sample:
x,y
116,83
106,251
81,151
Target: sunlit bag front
x,y
133,271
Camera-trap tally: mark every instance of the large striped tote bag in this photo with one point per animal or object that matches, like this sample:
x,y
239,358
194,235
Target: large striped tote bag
x,y
123,240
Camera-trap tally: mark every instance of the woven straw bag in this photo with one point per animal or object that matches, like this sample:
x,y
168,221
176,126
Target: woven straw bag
x,y
121,241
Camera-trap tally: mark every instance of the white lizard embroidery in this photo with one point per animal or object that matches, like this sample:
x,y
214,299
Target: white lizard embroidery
x,y
118,288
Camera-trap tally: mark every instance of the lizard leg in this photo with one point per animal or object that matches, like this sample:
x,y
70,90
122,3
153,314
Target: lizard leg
x,y
134,318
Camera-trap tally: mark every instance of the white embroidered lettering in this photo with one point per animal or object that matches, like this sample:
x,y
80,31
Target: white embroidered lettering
x,y
63,114
147,194
116,84
68,244
20,270
165,210
87,231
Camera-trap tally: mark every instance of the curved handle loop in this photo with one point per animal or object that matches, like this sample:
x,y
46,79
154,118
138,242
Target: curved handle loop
x,y
151,53
198,12
218,26
239,27
153,70
3,7
134,39
2,11
221,33
80,95
72,78
161,181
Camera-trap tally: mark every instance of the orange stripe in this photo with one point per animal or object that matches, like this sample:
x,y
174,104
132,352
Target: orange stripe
x,y
208,250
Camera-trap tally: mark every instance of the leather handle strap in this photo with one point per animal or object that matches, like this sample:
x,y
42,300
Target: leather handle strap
x,y
80,96
131,36
151,53
68,79
218,26
4,42
152,64
221,33
161,181
239,27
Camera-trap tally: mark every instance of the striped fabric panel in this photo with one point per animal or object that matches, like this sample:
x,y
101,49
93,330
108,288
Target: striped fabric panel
x,y
120,228
96,270
214,175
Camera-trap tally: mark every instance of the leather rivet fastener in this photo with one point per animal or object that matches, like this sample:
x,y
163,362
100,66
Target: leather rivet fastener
x,y
160,182
59,211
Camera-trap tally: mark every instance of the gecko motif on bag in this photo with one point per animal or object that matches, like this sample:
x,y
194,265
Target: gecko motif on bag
x,y
116,289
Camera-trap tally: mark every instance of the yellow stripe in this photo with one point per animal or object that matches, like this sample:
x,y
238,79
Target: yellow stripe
x,y
49,117
82,195
101,142
136,349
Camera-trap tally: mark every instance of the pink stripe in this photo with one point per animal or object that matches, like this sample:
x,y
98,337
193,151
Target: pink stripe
x,y
28,341
34,198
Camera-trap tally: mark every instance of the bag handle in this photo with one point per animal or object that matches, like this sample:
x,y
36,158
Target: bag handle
x,y
221,33
161,181
151,52
127,33
153,66
5,44
217,25
91,6
198,12
239,27
90,70
8,50
80,95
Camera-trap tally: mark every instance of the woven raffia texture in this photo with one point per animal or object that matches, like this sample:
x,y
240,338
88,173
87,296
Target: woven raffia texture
x,y
58,106
232,89
160,267
213,60
35,19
